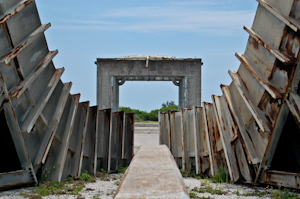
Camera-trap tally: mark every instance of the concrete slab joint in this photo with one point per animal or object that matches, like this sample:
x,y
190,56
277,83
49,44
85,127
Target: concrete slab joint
x,y
114,72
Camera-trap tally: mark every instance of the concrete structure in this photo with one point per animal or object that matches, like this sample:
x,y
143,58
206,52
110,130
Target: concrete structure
x,y
113,72
152,173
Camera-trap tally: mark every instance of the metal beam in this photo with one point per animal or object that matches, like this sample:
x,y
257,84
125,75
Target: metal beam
x,y
260,119
280,56
290,22
262,80
18,90
14,10
23,44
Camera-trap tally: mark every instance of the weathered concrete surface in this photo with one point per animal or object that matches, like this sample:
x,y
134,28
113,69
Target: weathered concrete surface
x,y
145,134
152,173
113,72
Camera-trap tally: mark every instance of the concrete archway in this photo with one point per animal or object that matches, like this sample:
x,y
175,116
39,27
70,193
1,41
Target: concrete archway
x,y
114,72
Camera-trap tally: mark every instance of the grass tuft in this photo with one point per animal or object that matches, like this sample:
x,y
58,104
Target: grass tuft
x,y
86,177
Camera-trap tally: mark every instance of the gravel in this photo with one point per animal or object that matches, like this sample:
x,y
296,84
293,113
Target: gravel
x,y
107,189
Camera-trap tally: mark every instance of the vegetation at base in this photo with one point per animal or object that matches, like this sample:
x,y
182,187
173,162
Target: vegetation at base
x,y
142,116
85,176
191,173
193,195
208,189
284,194
122,170
220,177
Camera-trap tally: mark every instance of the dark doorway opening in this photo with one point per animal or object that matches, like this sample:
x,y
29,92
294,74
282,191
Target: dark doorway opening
x,y
287,154
9,157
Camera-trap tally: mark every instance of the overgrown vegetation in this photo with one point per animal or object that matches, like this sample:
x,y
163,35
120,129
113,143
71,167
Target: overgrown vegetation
x,y
219,177
142,116
70,186
85,176
284,194
222,177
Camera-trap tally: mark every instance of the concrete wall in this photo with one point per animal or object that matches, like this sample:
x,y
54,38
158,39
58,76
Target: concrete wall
x,y
111,72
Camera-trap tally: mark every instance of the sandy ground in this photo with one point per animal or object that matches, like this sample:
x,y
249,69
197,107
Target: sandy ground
x,y
107,189
149,135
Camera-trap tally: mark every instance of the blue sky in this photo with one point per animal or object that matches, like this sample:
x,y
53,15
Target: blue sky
x,y
85,30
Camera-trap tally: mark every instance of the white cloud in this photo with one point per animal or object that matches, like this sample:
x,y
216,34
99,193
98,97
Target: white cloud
x,y
169,18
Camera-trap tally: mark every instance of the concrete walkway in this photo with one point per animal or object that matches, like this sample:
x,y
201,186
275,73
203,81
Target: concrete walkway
x,y
145,134
152,173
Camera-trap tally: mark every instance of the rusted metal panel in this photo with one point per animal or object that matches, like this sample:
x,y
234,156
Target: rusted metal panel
x,y
32,116
202,149
128,138
104,121
90,150
214,137
173,134
226,128
280,56
187,138
15,178
71,166
58,153
22,86
260,119
28,40
76,171
48,136
14,10
294,105
115,161
285,8
271,89
281,179
252,156
28,175
243,163
177,117
164,133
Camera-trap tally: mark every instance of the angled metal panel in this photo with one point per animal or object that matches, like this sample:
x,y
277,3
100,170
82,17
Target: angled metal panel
x,y
115,161
128,138
216,146
90,150
45,141
103,138
34,113
58,152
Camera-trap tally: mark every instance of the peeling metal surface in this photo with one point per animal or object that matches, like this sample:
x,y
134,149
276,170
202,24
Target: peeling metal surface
x,y
257,119
52,133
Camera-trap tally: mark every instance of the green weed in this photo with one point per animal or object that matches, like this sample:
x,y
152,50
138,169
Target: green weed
x,y
193,195
220,177
31,195
190,173
285,194
259,194
208,189
122,170
85,176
